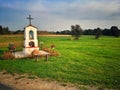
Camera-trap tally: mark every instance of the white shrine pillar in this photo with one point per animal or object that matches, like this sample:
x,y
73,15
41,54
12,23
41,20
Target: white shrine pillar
x,y
30,39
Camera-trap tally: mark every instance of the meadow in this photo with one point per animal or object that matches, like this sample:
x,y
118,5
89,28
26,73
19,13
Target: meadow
x,y
86,61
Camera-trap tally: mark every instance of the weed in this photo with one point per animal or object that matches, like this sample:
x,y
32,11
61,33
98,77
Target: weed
x,y
8,56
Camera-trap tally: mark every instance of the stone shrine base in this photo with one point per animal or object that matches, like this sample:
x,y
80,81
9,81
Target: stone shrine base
x,y
21,54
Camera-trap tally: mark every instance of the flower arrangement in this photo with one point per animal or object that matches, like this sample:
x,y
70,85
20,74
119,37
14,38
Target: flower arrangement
x,y
12,48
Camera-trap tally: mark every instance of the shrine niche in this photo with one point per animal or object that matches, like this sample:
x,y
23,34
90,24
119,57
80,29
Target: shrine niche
x,y
31,35
31,44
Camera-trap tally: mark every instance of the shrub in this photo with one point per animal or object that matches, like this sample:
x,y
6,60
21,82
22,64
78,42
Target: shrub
x,y
51,51
76,31
97,33
7,56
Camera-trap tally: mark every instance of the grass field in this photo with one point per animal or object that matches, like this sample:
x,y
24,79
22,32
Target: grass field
x,y
82,62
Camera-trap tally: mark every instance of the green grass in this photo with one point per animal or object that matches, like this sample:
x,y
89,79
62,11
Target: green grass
x,y
85,61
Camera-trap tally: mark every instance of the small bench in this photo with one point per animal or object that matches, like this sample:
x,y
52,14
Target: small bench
x,y
41,53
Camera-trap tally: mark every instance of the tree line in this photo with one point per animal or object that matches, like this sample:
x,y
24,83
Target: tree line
x,y
108,32
4,30
113,31
76,31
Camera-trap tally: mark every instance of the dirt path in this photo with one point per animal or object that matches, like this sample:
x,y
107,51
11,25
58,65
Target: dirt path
x,y
22,82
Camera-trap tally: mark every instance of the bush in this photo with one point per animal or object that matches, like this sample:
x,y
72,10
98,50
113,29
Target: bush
x,y
8,56
51,51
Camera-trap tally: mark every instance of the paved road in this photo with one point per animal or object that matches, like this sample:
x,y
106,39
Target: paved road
x,y
5,87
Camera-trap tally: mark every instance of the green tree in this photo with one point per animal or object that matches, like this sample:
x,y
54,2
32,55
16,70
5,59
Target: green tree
x,y
115,31
97,33
76,31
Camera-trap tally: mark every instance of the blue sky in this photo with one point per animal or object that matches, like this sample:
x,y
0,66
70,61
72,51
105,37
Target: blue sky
x,y
54,15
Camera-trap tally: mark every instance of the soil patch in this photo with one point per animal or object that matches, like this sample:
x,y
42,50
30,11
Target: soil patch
x,y
25,82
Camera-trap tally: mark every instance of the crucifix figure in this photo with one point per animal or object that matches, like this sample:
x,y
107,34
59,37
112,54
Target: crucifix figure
x,y
30,18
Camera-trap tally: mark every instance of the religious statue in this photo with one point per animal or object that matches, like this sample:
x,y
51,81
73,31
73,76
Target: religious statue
x,y
31,36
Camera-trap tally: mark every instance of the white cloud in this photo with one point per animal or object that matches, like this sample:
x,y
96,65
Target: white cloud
x,y
60,15
89,10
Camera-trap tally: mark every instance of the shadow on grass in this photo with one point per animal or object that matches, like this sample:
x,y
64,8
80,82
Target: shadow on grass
x,y
5,87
